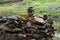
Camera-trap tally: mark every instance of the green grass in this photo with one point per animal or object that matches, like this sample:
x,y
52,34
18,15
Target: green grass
x,y
2,0
57,25
39,6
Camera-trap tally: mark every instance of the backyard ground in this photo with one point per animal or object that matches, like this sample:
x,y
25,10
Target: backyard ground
x,y
41,7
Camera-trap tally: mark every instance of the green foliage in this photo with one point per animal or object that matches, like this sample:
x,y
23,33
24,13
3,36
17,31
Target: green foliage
x,y
2,0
